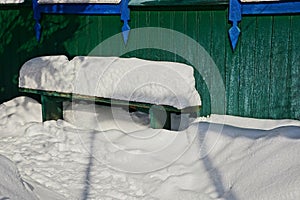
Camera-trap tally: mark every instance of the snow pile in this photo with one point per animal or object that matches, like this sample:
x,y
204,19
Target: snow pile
x,y
11,1
11,185
91,116
129,79
47,73
208,160
16,115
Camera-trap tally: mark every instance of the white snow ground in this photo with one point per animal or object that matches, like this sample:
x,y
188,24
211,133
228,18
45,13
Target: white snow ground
x,y
110,154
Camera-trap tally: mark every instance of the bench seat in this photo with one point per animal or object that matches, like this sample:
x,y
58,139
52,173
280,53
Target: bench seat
x,y
160,115
158,88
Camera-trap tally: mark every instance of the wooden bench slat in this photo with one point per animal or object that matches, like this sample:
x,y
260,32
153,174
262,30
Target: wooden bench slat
x,y
160,115
71,96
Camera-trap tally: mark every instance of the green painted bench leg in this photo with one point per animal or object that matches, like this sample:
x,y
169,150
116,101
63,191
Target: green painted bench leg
x,y
52,108
168,121
159,118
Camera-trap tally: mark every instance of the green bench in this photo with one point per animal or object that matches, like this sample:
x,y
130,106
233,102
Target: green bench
x,y
147,83
160,115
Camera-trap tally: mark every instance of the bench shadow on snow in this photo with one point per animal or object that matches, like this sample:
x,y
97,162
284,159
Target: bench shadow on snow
x,y
288,131
204,128
87,184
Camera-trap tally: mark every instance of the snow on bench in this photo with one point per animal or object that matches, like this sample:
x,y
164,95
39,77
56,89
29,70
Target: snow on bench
x,y
157,86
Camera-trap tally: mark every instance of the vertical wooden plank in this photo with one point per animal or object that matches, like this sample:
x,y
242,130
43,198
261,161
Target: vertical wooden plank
x,y
84,35
83,38
295,67
247,67
99,29
219,35
92,33
65,34
173,40
205,30
165,21
139,20
205,41
280,75
262,67
179,24
232,76
152,20
190,28
232,81
111,25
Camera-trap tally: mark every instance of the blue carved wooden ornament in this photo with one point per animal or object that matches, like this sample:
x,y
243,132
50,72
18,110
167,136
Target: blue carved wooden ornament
x,y
83,9
238,8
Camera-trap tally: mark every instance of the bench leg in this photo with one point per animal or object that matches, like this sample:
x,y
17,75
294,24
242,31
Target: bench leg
x,y
52,108
159,118
168,121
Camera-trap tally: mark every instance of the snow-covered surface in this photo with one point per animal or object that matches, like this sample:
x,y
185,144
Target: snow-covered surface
x,y
11,1
130,79
79,1
11,184
125,159
18,114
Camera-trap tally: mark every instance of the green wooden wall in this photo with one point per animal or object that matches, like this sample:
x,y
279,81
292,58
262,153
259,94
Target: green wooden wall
x,y
262,77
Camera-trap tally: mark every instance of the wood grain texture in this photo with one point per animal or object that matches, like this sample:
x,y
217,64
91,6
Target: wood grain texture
x,y
261,76
232,78
263,39
247,67
295,67
279,72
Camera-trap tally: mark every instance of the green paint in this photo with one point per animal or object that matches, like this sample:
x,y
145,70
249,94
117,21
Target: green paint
x,y
280,68
262,66
246,72
160,115
294,63
261,76
60,96
159,118
15,79
52,108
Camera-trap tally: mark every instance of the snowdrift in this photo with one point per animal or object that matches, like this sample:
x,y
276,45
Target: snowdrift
x,y
212,159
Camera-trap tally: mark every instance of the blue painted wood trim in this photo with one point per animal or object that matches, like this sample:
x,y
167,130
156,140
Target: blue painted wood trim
x,y
271,8
237,9
235,16
82,9
125,17
37,18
